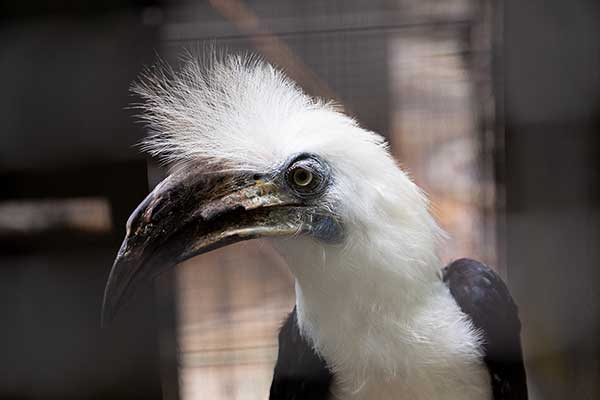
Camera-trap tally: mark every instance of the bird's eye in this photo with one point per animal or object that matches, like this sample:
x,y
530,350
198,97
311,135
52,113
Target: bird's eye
x,y
302,177
307,176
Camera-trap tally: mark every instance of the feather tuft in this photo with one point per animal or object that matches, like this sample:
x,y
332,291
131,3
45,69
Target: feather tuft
x,y
225,109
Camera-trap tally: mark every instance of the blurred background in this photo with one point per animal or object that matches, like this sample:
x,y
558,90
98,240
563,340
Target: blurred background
x,y
492,107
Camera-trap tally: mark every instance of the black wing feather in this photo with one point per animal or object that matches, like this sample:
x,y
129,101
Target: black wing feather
x,y
300,373
483,296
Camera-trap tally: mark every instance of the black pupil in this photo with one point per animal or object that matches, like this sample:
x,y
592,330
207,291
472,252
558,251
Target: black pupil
x,y
302,176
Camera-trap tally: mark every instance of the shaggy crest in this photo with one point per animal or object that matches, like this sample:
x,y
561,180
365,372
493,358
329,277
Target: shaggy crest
x,y
236,111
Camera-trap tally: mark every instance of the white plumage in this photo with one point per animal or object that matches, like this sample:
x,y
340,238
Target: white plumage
x,y
373,306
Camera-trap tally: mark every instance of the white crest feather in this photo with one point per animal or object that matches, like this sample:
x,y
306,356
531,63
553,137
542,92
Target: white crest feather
x,y
234,110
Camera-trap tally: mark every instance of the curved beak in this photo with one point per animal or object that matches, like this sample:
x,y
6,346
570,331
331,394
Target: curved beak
x,y
192,212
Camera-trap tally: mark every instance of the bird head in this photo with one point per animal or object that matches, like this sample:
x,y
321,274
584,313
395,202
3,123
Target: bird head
x,y
252,156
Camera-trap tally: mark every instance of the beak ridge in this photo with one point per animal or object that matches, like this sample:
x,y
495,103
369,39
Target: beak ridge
x,y
191,213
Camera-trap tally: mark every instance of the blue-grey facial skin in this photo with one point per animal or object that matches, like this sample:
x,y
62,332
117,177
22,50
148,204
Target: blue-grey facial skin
x,y
327,229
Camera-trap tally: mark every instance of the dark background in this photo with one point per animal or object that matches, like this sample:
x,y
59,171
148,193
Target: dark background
x,y
66,132
549,77
65,70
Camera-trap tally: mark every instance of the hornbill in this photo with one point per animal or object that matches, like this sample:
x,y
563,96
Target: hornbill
x,y
376,317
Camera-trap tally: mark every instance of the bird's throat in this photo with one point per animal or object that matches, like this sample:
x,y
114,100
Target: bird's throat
x,y
338,293
378,352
